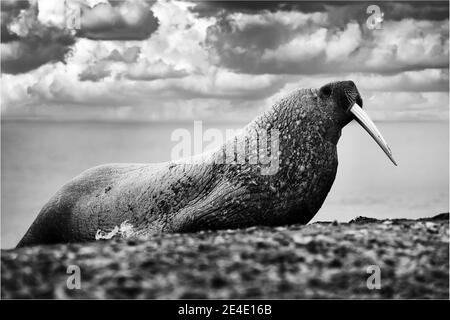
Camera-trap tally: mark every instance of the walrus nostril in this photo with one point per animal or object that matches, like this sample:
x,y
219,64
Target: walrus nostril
x,y
351,96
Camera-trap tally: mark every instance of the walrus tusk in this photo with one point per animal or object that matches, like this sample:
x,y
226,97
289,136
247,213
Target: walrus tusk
x,y
363,119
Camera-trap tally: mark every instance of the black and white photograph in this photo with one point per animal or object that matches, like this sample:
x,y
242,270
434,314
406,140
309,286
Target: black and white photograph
x,y
241,151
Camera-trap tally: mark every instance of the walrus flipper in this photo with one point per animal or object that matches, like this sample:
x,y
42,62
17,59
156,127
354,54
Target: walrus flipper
x,y
47,228
69,216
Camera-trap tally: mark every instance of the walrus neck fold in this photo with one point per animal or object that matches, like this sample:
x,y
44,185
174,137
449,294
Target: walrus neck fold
x,y
302,115
307,133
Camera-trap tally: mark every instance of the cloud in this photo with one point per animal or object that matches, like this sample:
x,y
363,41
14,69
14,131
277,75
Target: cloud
x,y
226,96
221,84
35,33
238,32
428,80
427,10
28,43
116,63
309,44
95,72
227,66
60,85
148,71
128,20
129,55
342,11
10,10
408,45
393,106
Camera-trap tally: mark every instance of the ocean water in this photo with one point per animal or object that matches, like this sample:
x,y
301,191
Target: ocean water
x,y
39,157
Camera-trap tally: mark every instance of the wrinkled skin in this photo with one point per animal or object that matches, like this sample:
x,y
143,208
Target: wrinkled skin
x,y
186,196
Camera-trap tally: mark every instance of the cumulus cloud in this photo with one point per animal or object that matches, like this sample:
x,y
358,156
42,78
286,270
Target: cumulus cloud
x,y
341,11
28,43
408,105
10,10
408,45
95,72
128,20
315,46
129,55
146,70
229,65
35,33
427,80
221,84
223,94
115,64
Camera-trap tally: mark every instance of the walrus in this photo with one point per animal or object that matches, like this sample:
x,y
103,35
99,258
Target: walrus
x,y
231,187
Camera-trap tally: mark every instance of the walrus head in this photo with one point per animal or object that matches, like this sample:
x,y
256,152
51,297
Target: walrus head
x,y
347,104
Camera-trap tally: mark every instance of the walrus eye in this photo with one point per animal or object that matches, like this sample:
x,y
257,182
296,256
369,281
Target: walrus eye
x,y
325,91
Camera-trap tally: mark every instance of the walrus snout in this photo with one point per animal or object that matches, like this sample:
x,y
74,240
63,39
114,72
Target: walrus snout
x,y
359,101
355,103
349,94
344,93
345,96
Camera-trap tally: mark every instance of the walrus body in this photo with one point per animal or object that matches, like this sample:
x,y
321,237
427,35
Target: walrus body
x,y
212,193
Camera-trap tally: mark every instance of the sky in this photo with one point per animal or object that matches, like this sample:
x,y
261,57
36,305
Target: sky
x,y
217,60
